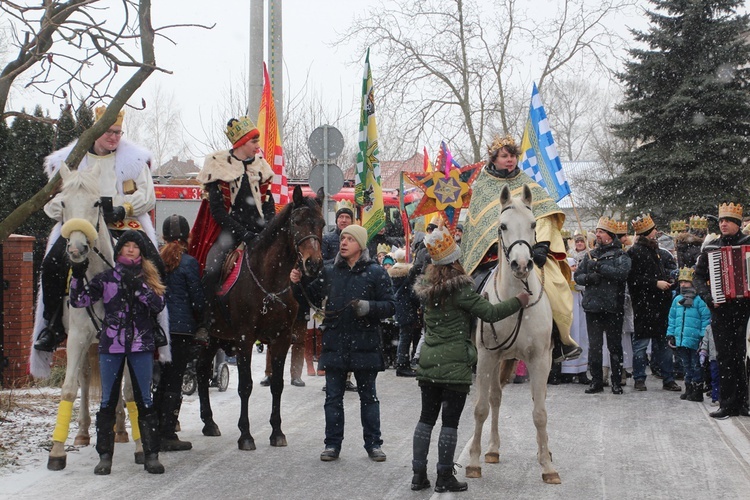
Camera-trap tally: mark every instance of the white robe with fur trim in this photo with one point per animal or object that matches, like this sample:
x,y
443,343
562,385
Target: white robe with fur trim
x,y
132,162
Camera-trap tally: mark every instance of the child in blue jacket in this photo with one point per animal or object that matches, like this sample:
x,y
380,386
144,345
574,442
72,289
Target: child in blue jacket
x,y
688,319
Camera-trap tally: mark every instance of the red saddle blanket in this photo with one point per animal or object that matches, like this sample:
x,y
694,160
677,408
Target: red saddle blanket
x,y
231,270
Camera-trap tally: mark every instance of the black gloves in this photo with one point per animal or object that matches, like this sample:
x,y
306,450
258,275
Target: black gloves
x,y
248,237
593,266
129,278
117,214
540,252
593,278
79,269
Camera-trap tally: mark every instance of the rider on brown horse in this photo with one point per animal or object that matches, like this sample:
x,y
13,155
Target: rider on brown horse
x,y
238,205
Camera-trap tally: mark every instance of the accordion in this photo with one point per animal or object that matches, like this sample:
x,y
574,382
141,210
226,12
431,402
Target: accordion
x,y
729,273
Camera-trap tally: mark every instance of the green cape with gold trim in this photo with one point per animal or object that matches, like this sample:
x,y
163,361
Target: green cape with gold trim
x,y
480,226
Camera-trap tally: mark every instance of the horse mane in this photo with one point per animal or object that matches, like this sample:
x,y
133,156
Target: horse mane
x,y
79,180
279,223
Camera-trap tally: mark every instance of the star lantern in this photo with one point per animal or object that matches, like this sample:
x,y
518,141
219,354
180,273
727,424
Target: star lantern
x,y
446,195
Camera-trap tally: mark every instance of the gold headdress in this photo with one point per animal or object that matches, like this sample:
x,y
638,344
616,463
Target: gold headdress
x,y
622,228
500,142
686,274
99,112
643,224
441,246
239,129
697,222
383,248
730,210
677,226
608,224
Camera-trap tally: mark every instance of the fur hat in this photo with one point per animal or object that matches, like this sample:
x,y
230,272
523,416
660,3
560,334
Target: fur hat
x,y
399,254
441,246
175,227
239,131
134,236
358,233
344,207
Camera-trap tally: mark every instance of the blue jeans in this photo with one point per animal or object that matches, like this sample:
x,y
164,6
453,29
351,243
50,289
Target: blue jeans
x,y
369,408
111,367
692,365
405,339
660,350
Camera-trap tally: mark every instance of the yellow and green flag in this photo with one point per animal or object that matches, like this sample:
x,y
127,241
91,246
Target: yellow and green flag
x,y
368,192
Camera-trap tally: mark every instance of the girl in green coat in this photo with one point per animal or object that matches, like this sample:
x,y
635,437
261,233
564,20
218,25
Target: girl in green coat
x,y
447,356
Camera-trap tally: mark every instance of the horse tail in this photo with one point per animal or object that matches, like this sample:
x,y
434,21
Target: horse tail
x,y
95,379
507,371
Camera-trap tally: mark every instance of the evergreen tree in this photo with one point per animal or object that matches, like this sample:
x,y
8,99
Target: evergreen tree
x,y
84,118
687,103
5,142
66,130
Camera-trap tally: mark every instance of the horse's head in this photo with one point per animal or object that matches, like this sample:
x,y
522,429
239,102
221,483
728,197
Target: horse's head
x,y
516,231
307,228
80,215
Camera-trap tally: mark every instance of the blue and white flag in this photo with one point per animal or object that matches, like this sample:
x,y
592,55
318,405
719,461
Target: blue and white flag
x,y
539,157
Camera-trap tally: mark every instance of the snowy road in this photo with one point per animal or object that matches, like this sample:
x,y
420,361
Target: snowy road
x,y
639,445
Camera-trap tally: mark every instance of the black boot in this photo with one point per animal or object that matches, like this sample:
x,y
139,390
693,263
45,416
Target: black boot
x,y
697,393
170,411
148,422
446,480
105,442
689,388
53,334
419,481
404,370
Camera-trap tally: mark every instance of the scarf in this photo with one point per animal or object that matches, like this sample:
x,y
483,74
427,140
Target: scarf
x,y
688,294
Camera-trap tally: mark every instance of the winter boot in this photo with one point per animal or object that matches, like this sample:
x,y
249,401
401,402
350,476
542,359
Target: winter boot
x,y
148,422
404,370
170,410
53,334
689,388
697,394
420,448
446,480
105,442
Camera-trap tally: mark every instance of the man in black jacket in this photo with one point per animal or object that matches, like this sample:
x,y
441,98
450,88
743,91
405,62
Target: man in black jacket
x,y
604,272
728,319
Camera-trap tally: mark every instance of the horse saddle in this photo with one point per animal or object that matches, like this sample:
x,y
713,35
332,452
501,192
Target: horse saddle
x,y
230,271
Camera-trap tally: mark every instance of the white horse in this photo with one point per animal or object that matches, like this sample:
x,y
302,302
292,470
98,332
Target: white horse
x,y
86,232
526,335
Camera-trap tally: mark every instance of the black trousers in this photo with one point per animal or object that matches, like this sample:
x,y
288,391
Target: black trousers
x,y
599,325
171,373
436,397
729,323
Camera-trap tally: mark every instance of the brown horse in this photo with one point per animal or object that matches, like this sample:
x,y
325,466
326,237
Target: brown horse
x,y
261,306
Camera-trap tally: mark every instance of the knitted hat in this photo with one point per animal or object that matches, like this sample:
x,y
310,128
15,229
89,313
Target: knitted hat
x,y
358,233
732,212
134,236
344,207
441,246
239,131
388,260
399,254
643,224
175,227
99,112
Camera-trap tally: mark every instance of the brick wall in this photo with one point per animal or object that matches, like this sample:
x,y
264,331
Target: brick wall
x,y
18,308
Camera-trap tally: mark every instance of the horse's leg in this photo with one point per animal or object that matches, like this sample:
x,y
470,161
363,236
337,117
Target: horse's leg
x,y
539,368
497,383
75,351
133,414
278,352
84,417
203,372
244,355
486,370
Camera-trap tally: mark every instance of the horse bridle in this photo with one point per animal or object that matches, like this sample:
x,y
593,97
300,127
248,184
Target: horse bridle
x,y
508,342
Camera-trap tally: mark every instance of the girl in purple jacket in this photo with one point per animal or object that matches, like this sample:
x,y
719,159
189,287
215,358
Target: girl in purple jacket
x,y
133,294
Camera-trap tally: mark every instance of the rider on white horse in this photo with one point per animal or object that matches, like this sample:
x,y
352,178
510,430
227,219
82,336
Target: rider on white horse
x,y
127,192
479,242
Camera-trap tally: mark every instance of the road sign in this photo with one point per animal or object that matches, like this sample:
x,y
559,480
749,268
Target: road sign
x,y
322,135
335,178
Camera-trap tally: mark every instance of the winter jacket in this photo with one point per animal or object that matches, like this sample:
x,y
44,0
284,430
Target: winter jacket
x,y
707,344
612,265
688,324
407,303
185,297
649,264
701,280
351,342
447,353
688,248
128,325
330,246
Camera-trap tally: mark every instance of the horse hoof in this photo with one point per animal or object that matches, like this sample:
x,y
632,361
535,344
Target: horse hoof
x,y
246,444
551,477
121,437
82,441
211,430
140,457
278,440
491,457
473,472
56,463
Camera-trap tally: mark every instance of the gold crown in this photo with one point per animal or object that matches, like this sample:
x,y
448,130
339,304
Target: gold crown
x,y
435,221
608,224
643,224
99,112
344,204
565,233
239,128
677,225
697,222
441,246
686,274
500,142
383,248
622,228
730,210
